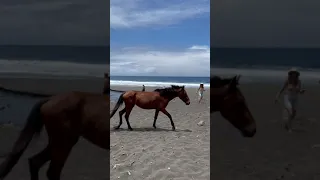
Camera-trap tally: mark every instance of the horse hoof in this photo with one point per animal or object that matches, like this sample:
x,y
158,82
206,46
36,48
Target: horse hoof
x,y
173,129
130,129
155,127
117,127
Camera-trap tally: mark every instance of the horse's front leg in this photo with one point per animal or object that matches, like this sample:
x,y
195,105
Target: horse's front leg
x,y
164,111
155,118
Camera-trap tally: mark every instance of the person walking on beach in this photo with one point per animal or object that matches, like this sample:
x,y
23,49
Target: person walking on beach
x,y
291,89
143,88
200,92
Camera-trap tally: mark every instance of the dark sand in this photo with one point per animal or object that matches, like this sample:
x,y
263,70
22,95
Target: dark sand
x,y
86,160
273,153
162,154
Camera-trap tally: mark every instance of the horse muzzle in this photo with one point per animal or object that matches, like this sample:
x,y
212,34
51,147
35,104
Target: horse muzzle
x,y
188,102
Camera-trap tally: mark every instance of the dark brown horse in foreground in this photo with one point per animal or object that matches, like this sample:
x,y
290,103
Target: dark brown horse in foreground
x,y
158,100
226,98
66,117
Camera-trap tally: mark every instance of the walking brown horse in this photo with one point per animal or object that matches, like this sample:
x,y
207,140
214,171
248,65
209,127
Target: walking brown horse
x,y
66,117
226,98
158,100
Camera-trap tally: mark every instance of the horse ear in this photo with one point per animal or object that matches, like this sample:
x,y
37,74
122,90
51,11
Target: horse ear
x,y
182,87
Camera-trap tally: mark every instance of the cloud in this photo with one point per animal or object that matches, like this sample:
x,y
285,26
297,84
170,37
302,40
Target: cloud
x,y
59,22
146,13
193,61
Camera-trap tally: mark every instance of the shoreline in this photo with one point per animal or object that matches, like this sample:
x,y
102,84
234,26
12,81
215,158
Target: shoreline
x,y
51,86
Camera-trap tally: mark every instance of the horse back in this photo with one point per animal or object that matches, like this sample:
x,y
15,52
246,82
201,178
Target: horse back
x,y
140,95
76,110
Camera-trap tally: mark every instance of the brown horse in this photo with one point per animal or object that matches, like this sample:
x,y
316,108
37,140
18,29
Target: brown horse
x,y
66,117
158,100
226,98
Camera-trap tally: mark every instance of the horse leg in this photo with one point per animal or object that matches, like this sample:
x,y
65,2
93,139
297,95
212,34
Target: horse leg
x,y
60,151
155,118
164,111
128,111
37,161
120,115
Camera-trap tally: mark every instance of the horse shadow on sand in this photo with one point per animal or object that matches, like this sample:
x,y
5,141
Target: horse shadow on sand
x,y
147,129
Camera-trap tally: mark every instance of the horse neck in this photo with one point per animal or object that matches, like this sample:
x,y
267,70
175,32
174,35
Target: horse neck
x,y
169,98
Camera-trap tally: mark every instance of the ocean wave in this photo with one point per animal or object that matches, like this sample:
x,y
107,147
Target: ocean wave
x,y
154,84
59,68
254,75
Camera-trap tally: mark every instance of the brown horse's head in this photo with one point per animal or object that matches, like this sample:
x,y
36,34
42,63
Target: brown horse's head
x,y
229,101
182,93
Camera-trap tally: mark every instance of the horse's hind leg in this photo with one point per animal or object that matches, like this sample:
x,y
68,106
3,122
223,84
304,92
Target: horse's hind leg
x,y
120,115
60,151
169,116
37,161
155,118
128,111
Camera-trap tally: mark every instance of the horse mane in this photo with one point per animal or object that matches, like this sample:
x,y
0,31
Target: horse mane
x,y
169,91
217,82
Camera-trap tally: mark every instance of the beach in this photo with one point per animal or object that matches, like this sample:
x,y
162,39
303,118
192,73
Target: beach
x,y
162,154
273,153
86,161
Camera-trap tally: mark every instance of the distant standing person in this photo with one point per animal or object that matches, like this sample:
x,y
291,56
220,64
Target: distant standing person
x,y
143,88
291,89
200,92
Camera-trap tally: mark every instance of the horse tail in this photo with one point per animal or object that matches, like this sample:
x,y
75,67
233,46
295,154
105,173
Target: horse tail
x,y
116,107
33,127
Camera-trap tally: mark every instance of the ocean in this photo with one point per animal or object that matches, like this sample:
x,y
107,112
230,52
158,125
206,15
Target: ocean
x,y
156,81
265,58
266,64
75,54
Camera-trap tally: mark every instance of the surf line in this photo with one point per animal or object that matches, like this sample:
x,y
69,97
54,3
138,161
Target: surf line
x,y
23,93
116,90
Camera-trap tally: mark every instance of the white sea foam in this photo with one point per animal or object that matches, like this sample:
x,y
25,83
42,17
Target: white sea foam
x,y
254,75
154,84
53,68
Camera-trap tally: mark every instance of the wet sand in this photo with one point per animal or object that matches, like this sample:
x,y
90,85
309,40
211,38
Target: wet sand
x,y
273,153
162,154
86,160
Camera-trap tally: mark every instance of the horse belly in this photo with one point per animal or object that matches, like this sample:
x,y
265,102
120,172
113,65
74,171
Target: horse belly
x,y
147,105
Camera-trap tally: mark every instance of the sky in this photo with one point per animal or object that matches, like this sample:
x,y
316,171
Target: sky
x,y
272,23
160,38
58,22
